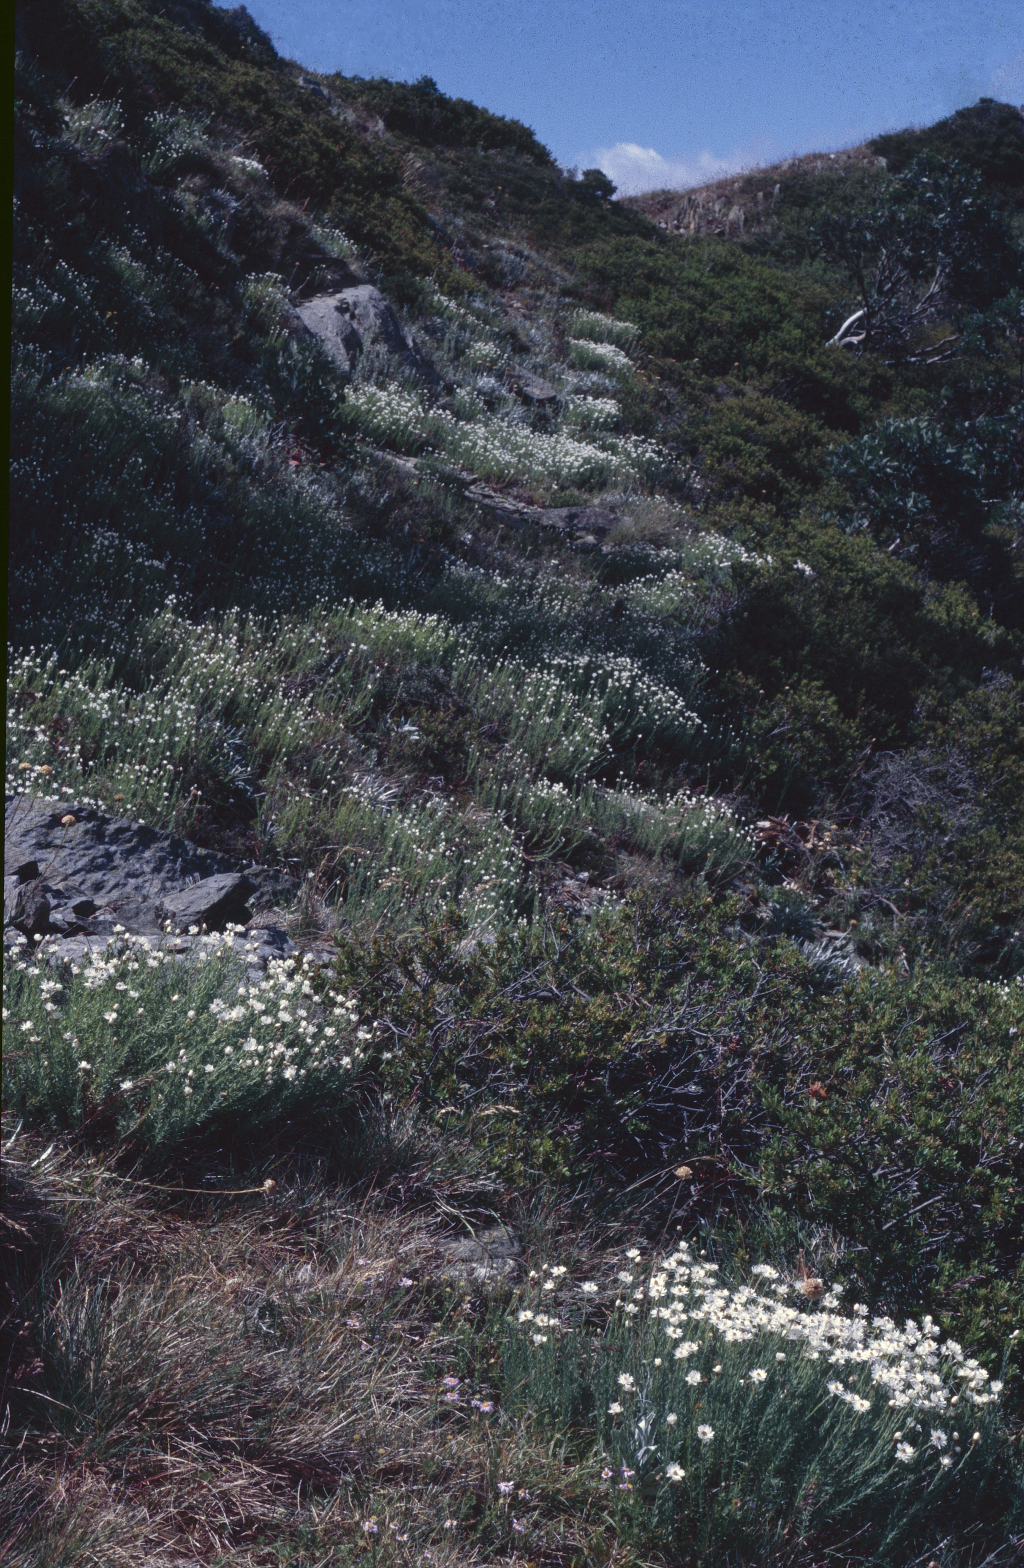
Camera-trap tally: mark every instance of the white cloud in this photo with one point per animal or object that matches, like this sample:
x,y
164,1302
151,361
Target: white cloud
x,y
634,168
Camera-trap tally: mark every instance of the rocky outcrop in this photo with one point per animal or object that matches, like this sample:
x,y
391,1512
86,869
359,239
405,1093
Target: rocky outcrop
x,y
738,204
491,1257
532,389
350,320
74,877
584,527
212,903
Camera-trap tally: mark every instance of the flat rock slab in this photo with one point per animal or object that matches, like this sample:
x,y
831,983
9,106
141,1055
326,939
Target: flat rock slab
x,y
109,860
491,1257
211,903
255,948
532,389
587,521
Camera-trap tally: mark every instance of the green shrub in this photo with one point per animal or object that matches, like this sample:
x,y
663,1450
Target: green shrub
x,y
933,494
420,110
203,63
761,447
947,838
988,137
650,1036
831,650
707,302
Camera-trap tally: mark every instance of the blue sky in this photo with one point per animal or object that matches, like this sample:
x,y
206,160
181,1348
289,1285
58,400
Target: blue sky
x,y
673,92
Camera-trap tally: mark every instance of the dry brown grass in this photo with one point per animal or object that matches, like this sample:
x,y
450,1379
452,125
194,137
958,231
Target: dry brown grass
x,y
249,1381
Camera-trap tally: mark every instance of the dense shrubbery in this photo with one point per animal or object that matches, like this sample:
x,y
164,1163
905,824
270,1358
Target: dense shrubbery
x,y
941,494
834,648
656,1037
708,304
197,62
421,111
988,137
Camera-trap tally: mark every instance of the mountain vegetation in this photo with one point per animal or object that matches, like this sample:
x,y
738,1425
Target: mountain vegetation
x,y
625,659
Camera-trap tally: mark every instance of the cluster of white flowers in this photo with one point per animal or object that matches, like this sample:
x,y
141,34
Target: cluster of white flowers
x,y
92,124
300,686
389,414
629,703
706,812
592,413
148,741
909,1365
272,1030
599,356
433,849
497,449
334,241
669,581
789,1324
598,328
500,448
484,354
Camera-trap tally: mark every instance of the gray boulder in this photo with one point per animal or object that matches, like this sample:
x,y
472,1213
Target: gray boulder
x,y
532,389
491,1257
327,318
349,321
212,903
273,888
84,854
75,877
26,906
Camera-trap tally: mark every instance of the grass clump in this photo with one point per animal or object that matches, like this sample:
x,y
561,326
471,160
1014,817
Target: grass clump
x,y
499,449
268,1372
294,1373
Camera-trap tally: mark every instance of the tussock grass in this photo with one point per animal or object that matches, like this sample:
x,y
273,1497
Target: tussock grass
x,y
714,1406
311,737
176,1048
506,449
258,1382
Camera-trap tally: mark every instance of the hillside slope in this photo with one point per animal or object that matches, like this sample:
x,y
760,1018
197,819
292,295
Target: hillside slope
x,y
611,615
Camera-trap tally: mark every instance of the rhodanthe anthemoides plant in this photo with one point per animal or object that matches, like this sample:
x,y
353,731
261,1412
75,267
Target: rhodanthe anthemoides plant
x,y
164,1044
594,326
499,449
758,1412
